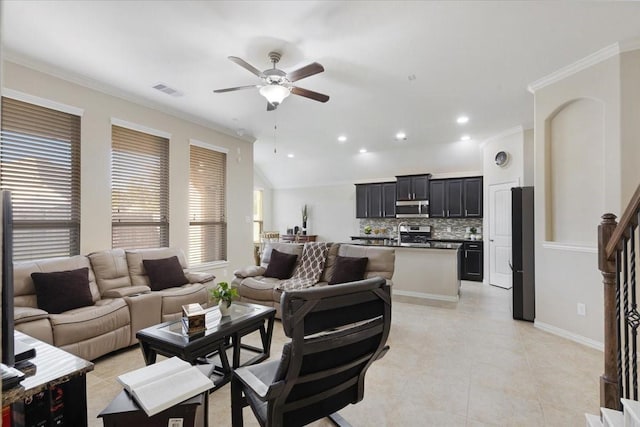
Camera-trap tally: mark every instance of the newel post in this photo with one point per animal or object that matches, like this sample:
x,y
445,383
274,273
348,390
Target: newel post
x,y
609,386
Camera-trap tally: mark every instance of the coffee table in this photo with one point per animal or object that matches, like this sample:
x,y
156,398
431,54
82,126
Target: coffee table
x,y
169,339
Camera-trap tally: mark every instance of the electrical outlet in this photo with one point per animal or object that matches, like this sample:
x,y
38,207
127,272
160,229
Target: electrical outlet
x,y
448,229
582,309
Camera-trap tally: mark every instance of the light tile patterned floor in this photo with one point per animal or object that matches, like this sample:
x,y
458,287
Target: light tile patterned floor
x,y
464,364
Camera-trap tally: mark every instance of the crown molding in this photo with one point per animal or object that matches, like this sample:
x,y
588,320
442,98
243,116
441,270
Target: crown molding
x,y
629,45
581,64
84,81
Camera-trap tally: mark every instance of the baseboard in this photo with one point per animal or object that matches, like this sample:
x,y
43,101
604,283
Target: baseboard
x,y
426,296
569,335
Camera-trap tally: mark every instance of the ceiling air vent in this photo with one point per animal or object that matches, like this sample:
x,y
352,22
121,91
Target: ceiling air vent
x,y
168,90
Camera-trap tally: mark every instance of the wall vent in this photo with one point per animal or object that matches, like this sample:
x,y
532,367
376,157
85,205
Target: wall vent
x,y
168,90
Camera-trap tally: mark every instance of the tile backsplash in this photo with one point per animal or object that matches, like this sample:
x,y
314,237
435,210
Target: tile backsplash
x,y
438,226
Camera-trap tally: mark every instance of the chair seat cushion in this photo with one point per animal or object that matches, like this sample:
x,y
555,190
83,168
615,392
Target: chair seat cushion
x,y
174,298
259,288
83,323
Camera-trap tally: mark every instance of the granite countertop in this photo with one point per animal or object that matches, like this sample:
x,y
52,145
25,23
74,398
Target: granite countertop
x,y
448,245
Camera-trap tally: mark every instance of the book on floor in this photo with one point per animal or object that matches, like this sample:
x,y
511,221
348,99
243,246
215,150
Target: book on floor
x,y
164,384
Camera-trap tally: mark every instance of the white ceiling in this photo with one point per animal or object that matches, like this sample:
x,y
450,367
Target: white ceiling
x,y
474,58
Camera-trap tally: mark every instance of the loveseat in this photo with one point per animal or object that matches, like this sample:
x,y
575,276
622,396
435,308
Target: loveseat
x,y
254,287
119,302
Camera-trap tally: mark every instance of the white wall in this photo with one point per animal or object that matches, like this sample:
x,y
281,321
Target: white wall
x,y
567,273
331,211
260,182
99,109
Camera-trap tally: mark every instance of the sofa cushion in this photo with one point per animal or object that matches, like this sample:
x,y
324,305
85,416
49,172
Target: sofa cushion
x,y
61,291
174,298
286,248
110,269
164,273
280,265
84,323
348,269
381,259
136,267
259,288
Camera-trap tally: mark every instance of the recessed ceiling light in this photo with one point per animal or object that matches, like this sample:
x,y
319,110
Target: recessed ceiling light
x,y
462,120
290,155
401,136
342,138
465,138
363,150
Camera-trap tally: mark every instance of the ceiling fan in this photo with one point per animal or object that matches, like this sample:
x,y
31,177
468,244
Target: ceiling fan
x,y
277,84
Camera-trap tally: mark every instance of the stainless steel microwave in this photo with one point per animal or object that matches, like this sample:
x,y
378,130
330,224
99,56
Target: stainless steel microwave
x,y
412,209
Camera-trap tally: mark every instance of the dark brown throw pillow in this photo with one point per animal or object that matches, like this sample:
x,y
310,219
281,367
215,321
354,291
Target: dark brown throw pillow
x,y
348,269
164,273
280,265
61,291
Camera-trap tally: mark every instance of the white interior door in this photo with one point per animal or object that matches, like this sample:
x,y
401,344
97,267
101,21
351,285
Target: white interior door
x,y
500,234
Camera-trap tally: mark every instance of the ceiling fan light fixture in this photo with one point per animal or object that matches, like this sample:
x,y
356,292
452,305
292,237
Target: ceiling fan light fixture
x,y
274,93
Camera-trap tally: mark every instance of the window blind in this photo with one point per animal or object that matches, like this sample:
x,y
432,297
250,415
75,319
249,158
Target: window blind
x,y
139,189
40,164
207,205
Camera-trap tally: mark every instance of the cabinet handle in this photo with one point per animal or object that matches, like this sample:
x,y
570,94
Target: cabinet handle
x,y
465,212
465,254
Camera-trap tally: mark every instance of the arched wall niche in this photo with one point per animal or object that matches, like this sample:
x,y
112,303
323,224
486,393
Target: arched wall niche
x,y
574,143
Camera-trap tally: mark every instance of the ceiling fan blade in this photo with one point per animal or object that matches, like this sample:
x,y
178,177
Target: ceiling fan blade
x,y
231,89
316,96
270,106
306,71
244,64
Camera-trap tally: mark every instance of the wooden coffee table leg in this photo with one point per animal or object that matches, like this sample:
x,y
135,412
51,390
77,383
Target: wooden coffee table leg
x,y
148,353
267,336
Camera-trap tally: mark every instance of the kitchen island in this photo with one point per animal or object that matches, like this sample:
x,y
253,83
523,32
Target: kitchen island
x,y
426,272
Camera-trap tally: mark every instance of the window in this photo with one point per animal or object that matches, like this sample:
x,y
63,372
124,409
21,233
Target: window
x,y
40,164
258,218
207,205
139,189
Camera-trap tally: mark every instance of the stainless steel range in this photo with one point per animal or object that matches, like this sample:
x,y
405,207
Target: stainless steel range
x,y
415,235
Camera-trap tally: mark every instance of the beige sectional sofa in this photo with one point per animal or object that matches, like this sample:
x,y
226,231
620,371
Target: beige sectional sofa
x,y
123,302
254,287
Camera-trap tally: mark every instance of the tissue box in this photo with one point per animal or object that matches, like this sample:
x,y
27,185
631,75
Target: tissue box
x,y
193,318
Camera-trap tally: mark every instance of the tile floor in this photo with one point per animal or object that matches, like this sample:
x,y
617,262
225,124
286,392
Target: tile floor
x,y
464,364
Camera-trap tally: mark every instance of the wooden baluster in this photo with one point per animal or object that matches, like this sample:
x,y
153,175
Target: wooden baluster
x,y
609,382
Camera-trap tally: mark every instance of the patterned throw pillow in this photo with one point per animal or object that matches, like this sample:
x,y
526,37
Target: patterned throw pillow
x,y
308,272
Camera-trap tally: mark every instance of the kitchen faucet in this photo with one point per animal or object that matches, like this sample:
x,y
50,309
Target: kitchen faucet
x,y
400,224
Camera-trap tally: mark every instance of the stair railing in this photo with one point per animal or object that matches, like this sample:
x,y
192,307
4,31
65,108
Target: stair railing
x,y
618,251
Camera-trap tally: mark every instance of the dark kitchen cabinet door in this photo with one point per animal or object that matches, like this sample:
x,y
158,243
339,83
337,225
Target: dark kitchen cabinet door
x,y
412,187
361,201
437,198
420,187
374,202
454,198
403,188
389,200
472,262
473,197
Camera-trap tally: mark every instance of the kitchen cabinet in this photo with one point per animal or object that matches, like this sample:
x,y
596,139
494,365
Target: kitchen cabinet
x,y
361,201
376,200
412,187
389,200
437,198
473,197
455,198
471,261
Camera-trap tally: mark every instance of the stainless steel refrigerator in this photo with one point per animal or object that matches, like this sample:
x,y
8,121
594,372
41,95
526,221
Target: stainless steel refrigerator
x,y
523,253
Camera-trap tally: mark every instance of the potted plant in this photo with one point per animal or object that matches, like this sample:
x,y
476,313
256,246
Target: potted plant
x,y
224,295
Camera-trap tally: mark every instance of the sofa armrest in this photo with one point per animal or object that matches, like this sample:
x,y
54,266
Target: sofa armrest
x,y
199,277
251,271
28,314
126,291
